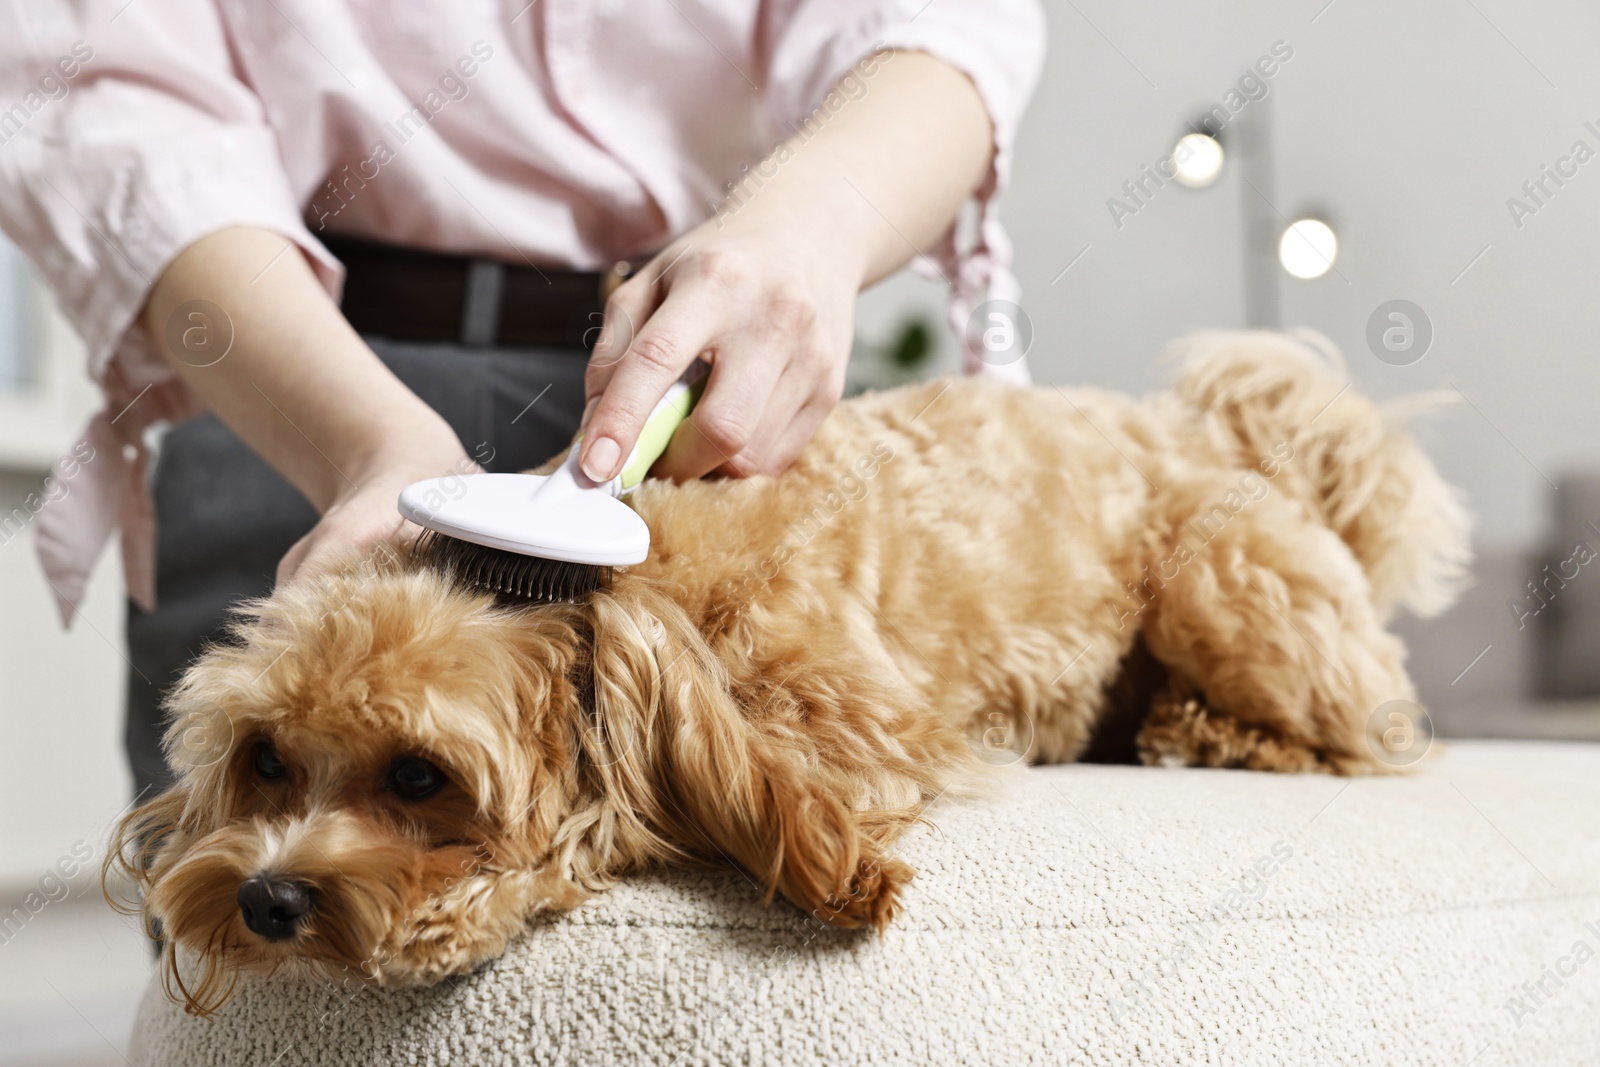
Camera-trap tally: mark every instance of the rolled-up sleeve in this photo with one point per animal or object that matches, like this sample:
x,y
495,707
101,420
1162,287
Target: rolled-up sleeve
x,y
126,140
126,136
812,45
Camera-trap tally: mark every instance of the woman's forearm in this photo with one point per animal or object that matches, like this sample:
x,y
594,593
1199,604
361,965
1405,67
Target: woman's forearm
x,y
885,174
297,383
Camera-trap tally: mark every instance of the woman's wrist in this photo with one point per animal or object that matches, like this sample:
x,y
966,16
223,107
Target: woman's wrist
x,y
417,444
830,234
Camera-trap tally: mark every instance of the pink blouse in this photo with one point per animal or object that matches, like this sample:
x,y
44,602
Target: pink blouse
x,y
573,132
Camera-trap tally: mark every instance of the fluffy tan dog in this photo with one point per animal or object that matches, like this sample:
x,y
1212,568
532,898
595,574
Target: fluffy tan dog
x,y
387,776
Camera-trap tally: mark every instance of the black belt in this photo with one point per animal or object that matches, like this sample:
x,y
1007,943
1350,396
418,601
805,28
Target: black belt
x,y
408,294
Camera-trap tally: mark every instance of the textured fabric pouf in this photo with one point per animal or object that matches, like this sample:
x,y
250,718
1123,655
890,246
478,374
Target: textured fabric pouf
x,y
1098,915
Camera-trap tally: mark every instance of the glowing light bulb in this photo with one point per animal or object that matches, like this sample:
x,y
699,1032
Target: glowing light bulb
x,y
1308,248
1197,158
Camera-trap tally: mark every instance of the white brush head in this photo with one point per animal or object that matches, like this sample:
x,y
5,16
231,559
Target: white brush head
x,y
532,515
563,517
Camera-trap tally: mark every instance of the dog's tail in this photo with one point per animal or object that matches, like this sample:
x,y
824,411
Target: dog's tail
x,y
1284,402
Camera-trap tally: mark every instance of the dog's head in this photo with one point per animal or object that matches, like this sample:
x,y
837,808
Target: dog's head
x,y
382,776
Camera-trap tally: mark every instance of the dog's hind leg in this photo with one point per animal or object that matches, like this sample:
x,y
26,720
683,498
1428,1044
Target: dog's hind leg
x,y
1275,648
1180,730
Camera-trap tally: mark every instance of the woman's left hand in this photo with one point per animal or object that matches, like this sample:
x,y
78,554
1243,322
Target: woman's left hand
x,y
770,310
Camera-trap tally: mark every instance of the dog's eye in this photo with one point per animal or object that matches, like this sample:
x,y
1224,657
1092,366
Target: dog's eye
x,y
414,778
268,765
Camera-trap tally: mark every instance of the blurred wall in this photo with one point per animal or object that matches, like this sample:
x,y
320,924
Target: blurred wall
x,y
1408,126
62,777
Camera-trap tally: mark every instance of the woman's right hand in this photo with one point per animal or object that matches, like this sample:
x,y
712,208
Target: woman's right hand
x,y
367,513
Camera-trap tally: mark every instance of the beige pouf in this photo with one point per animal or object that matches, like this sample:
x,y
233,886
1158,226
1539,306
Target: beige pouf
x,y
1097,915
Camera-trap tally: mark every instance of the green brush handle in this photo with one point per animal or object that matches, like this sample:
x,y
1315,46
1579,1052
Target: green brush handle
x,y
670,412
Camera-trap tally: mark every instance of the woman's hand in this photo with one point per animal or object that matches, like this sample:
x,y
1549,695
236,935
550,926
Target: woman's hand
x,y
770,311
766,291
365,513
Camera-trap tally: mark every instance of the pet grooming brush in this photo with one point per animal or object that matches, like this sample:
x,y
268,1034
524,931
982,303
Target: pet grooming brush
x,y
544,537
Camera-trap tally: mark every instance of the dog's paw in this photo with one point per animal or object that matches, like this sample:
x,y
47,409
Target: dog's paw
x,y
873,896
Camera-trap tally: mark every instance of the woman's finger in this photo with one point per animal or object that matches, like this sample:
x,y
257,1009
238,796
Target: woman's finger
x,y
809,389
292,559
746,375
674,336
798,433
788,397
626,311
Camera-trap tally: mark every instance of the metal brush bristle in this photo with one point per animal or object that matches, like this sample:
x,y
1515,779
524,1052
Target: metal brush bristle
x,y
510,576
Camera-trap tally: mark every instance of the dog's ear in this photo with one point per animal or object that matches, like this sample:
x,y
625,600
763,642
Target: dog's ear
x,y
151,841
145,844
136,840
197,744
684,755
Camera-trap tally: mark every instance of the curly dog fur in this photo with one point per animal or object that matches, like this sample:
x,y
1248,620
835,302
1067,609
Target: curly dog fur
x,y
951,571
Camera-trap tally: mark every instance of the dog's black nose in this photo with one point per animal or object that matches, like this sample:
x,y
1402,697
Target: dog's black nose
x,y
273,906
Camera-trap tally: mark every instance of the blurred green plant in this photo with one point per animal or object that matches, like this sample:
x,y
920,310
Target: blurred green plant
x,y
906,356
912,348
